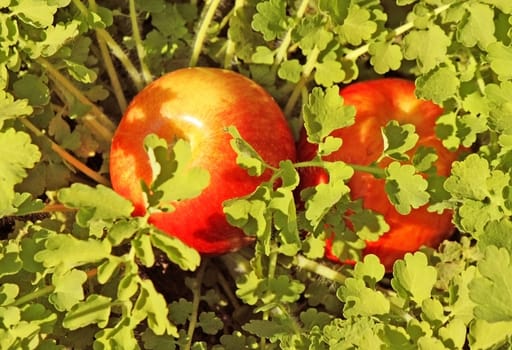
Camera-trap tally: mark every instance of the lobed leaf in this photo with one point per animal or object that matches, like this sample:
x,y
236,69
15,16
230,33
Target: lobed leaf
x,y
405,188
413,277
492,292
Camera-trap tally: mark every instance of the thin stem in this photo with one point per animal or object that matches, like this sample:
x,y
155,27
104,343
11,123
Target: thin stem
x,y
230,44
306,75
319,269
204,24
100,123
196,292
109,66
141,52
122,57
227,289
66,156
282,52
116,50
34,295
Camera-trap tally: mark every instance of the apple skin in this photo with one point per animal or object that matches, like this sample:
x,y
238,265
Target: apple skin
x,y
377,102
198,104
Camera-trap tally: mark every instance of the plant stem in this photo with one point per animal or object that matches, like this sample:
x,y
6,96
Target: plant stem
x,y
306,75
101,124
66,156
319,269
207,16
141,52
34,295
117,51
196,292
282,52
230,45
109,66
122,57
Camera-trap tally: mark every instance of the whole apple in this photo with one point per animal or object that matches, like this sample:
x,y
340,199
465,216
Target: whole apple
x,y
377,102
198,104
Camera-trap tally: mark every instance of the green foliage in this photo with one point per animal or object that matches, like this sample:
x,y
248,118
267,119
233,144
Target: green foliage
x,y
78,271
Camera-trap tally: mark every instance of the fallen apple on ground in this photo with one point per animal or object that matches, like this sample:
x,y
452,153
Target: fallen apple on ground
x,y
377,102
198,104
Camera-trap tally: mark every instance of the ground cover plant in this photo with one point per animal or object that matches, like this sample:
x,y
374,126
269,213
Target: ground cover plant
x,y
78,271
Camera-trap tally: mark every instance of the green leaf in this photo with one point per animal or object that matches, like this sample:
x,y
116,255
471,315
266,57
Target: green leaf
x,y
263,55
180,311
108,269
80,72
151,306
492,292
324,196
357,26
143,249
428,47
10,259
463,183
38,13
290,70
32,88
95,203
247,157
271,19
497,234
267,328
59,35
121,336
173,177
477,28
210,323
330,145
249,288
285,219
336,9
282,289
8,293
499,57
488,335
94,310
386,56
18,154
66,252
329,72
68,289
504,5
12,108
405,188
362,301
439,85
412,277
177,251
311,33
324,112
398,139
370,270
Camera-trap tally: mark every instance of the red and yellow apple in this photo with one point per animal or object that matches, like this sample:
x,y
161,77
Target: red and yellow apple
x,y
198,104
377,102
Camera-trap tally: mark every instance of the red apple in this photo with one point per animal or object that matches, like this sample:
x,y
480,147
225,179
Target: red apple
x,y
198,104
377,102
